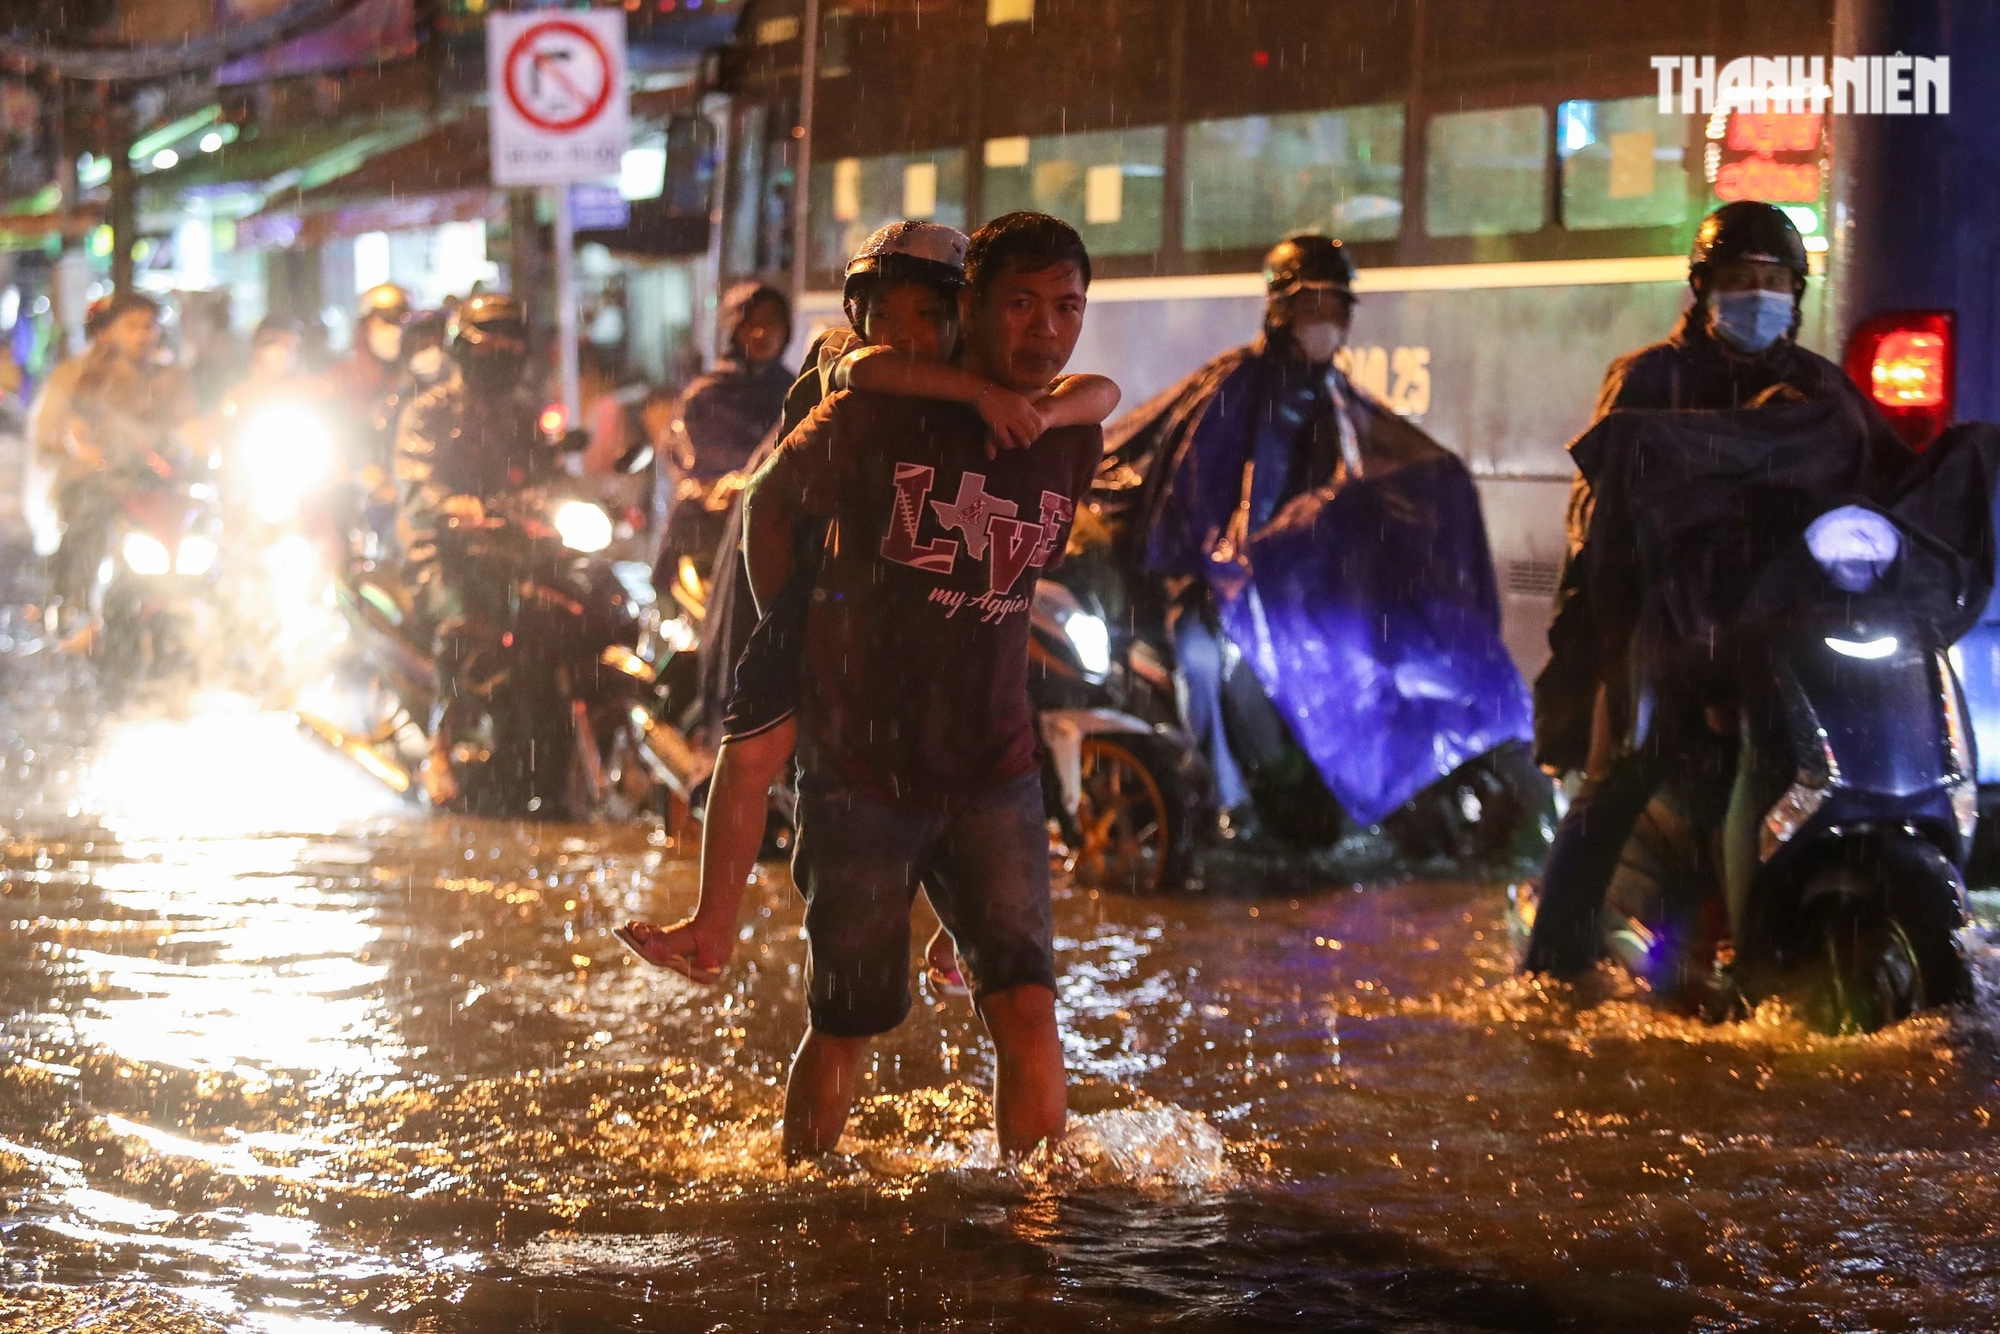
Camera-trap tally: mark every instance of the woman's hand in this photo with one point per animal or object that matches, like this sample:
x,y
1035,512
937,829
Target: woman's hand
x,y
1012,422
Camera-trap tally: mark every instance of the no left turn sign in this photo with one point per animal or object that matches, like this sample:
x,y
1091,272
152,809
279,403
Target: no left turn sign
x,y
558,76
556,95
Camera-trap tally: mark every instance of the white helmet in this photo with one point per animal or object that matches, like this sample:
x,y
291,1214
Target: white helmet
x,y
925,252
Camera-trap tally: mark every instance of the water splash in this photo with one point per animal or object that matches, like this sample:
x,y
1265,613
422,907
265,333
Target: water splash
x,y
1150,1147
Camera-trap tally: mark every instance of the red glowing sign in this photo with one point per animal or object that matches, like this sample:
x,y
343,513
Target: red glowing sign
x,y
1771,156
1752,132
1774,182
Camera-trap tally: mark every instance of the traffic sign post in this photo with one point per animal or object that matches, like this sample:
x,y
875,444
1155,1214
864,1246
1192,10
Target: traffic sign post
x,y
555,82
558,112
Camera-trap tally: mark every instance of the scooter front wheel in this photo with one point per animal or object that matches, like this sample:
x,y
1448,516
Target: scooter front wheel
x,y
1135,816
1880,939
1866,976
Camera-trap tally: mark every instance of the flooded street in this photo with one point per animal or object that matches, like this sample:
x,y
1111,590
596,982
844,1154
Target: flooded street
x,y
281,1054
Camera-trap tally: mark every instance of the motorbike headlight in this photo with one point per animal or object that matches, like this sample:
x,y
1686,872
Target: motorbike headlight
x,y
145,554
1854,546
1867,649
286,450
1091,641
196,555
583,526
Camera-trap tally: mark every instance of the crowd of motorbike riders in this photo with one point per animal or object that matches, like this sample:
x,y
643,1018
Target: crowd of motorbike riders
x,y
1299,577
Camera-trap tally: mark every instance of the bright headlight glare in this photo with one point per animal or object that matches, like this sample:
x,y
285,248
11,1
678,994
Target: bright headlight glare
x,y
285,452
145,554
583,526
196,556
1091,641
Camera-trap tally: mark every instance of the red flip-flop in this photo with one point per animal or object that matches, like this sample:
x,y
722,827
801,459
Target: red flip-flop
x,y
946,982
687,965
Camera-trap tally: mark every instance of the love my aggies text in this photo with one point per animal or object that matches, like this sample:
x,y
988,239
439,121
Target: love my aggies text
x,y
991,532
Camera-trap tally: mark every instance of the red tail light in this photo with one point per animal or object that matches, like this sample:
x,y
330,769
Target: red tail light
x,y
1903,363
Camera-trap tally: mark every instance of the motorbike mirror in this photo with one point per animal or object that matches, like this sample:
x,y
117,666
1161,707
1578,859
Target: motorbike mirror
x,y
574,442
636,459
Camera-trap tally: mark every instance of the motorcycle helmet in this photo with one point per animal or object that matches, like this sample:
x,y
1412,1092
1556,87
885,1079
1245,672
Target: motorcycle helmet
x,y
384,301
1308,259
379,321
1747,231
489,338
923,252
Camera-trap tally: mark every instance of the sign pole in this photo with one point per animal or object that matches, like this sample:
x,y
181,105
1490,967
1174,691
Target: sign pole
x,y
566,304
802,172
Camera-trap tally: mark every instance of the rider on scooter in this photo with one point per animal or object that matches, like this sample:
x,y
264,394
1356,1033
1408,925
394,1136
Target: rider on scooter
x,y
464,443
1309,281
101,417
1734,347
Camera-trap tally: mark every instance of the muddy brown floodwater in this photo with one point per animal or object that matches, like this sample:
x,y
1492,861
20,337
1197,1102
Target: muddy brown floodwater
x,y
283,1055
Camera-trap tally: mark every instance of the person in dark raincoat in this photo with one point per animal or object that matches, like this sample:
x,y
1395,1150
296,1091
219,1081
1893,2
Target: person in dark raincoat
x,y
723,417
1735,347
465,442
1301,524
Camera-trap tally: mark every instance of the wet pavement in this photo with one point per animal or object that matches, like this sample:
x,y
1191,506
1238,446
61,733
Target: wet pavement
x,y
281,1054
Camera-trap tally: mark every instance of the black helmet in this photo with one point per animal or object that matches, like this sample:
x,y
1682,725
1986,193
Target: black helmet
x,y
1747,231
483,316
384,301
1308,259
924,252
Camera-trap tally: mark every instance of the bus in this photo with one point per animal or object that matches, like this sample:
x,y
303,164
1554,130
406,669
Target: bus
x,y
1518,202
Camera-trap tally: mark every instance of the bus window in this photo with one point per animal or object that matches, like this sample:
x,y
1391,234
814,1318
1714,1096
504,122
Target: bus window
x,y
1108,184
853,196
1486,172
1623,164
1251,179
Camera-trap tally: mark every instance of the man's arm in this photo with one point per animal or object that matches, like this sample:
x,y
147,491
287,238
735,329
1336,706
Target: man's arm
x,y
1010,417
798,481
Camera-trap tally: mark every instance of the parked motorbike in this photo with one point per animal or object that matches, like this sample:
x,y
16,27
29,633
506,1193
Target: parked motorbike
x,y
551,727
155,588
1849,817
1493,809
1127,790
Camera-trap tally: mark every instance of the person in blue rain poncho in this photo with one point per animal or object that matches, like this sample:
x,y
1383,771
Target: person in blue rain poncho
x,y
1297,522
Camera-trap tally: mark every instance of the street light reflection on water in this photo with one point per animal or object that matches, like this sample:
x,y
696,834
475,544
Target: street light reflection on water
x,y
212,813
284,1054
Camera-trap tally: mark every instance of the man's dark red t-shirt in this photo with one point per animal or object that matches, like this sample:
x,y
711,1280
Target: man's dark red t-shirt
x,y
916,674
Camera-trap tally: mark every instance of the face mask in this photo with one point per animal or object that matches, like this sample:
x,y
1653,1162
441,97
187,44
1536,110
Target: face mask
x,y
1319,340
385,341
1750,321
427,362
